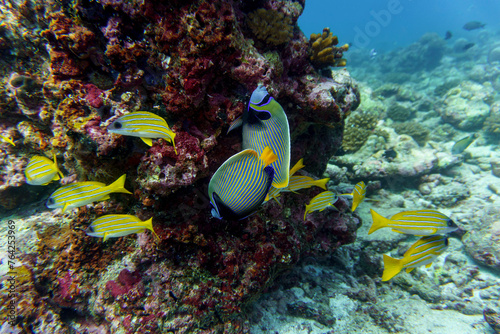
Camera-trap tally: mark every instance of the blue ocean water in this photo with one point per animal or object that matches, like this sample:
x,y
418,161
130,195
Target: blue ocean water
x,y
389,24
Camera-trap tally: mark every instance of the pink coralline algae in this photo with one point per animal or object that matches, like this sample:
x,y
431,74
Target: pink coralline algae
x,y
194,63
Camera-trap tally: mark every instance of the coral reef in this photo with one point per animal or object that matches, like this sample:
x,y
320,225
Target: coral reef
x,y
324,49
467,105
359,127
271,26
415,130
399,112
193,63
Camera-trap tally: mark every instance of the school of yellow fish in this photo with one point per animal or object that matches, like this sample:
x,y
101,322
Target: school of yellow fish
x,y
242,184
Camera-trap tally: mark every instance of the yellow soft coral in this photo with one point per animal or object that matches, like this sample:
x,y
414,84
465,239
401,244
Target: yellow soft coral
x,y
271,26
324,49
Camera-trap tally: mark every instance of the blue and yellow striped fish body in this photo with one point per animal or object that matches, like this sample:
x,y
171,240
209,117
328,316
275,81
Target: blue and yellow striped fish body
x,y
113,226
321,202
241,183
82,193
265,124
41,171
358,194
298,182
417,222
145,125
7,140
421,253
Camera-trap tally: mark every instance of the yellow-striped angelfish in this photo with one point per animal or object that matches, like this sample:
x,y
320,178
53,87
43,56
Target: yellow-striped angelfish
x,y
358,194
422,252
7,140
145,125
241,183
417,222
113,226
82,193
321,201
41,170
265,124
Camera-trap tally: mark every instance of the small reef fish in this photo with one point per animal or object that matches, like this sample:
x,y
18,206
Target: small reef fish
x,y
265,124
241,184
463,143
448,35
417,222
145,125
41,170
472,25
358,194
422,252
275,192
320,202
468,46
7,140
82,193
113,226
298,182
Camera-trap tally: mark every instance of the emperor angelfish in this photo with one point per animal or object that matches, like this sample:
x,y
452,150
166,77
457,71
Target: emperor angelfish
x,y
145,125
241,183
265,124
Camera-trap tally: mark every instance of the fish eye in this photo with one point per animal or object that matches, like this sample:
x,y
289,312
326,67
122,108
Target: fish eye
x,y
50,201
451,223
264,115
117,125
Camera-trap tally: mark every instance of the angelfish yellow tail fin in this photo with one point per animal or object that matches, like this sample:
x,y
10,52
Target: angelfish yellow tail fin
x,y
392,267
378,222
268,156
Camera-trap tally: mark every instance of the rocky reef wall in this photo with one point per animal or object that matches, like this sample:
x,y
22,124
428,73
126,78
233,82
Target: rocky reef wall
x,y
69,69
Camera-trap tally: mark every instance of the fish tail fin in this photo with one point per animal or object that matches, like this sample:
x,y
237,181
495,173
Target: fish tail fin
x,y
297,166
61,175
392,267
307,210
173,142
149,225
378,222
119,185
321,183
268,156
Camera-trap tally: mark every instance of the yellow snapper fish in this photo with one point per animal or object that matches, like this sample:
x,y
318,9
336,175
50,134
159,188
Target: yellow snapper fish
x,y
41,170
145,125
320,202
113,226
7,140
417,222
275,192
358,194
265,124
422,252
298,182
82,193
241,183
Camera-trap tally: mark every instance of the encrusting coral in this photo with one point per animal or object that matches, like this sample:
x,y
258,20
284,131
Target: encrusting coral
x,y
413,129
324,49
271,26
359,127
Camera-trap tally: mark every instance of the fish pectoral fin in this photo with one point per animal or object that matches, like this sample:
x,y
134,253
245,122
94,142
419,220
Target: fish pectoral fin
x,y
105,237
235,124
397,231
65,207
148,141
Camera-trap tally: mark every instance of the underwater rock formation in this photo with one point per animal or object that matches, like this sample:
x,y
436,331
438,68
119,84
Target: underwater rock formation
x,y
195,64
